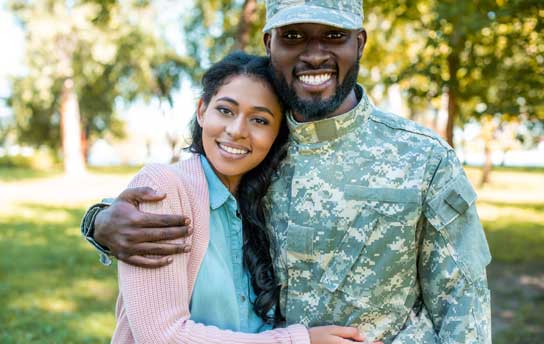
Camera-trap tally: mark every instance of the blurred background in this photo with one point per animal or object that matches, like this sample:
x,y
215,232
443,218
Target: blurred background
x,y
91,90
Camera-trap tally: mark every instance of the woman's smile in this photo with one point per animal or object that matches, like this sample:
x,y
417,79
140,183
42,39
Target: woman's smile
x,y
232,149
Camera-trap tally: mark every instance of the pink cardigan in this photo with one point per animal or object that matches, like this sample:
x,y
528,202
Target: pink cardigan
x,y
153,304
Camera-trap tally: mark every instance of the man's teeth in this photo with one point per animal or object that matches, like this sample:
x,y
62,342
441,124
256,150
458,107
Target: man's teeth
x,y
315,79
233,150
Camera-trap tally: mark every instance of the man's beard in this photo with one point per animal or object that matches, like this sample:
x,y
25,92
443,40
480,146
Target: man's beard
x,y
315,108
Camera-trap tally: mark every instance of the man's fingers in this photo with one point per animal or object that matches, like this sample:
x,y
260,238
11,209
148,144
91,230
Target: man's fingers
x,y
160,249
347,332
162,220
160,234
145,262
141,194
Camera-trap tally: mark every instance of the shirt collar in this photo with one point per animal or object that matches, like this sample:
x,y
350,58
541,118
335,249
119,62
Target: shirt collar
x,y
331,128
218,192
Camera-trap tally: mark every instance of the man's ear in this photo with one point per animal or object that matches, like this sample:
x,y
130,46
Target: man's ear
x,y
201,108
266,40
361,42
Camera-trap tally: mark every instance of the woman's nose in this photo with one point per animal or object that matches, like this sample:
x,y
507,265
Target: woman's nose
x,y
237,128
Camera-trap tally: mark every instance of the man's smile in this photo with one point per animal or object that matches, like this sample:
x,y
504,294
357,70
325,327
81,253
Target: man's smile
x,y
314,79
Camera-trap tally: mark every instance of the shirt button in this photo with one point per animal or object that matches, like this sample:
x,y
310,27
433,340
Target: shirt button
x,y
242,298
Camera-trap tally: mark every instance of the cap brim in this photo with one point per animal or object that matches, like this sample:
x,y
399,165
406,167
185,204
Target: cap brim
x,y
314,15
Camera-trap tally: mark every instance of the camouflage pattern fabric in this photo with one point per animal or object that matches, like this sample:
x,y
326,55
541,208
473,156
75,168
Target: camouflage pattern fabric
x,y
346,14
376,227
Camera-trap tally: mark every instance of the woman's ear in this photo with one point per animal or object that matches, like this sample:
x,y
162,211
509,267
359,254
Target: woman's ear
x,y
201,108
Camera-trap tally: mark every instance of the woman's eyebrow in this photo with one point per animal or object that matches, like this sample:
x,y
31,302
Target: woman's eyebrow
x,y
257,108
230,100
264,109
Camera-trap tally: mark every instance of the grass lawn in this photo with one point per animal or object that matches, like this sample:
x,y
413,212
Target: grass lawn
x,y
53,289
512,213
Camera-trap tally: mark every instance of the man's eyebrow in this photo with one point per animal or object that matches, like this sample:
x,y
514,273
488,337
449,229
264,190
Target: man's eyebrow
x,y
230,100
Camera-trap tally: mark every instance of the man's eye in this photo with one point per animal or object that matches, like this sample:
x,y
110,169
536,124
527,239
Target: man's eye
x,y
292,35
335,35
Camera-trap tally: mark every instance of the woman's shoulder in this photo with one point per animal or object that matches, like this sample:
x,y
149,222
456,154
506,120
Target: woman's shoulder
x,y
186,173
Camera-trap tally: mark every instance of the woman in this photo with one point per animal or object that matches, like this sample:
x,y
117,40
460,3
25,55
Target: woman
x,y
224,291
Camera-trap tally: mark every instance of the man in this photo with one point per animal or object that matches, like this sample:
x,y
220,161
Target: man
x,y
373,216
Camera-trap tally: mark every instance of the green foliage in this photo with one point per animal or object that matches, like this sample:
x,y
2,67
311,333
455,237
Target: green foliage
x,y
112,51
15,161
487,54
211,31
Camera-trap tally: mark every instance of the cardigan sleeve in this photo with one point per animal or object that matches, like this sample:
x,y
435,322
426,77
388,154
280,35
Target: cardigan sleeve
x,y
156,301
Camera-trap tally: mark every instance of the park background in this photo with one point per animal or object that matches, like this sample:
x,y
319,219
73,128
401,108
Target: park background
x,y
116,82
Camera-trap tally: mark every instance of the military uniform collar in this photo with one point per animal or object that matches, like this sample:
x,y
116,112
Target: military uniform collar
x,y
331,128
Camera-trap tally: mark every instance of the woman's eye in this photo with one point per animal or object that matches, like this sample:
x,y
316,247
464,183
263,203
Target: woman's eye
x,y
224,111
261,121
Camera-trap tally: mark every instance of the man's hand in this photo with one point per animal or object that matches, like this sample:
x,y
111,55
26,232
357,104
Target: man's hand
x,y
132,235
336,335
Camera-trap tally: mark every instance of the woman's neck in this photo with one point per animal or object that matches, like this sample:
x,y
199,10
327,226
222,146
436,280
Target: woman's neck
x,y
231,182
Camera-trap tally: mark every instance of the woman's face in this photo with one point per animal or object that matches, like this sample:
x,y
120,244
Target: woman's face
x,y
239,126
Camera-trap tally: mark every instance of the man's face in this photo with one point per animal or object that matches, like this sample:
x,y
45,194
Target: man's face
x,y
315,65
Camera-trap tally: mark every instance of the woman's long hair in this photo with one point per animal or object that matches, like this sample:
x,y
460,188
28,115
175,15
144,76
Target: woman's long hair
x,y
254,184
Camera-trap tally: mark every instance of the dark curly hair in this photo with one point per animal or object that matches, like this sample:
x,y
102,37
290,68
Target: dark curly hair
x,y
254,184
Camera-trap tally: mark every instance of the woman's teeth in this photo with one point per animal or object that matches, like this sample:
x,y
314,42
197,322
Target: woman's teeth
x,y
233,150
315,79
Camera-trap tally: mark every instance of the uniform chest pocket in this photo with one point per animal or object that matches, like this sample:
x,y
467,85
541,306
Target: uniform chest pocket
x,y
385,201
383,217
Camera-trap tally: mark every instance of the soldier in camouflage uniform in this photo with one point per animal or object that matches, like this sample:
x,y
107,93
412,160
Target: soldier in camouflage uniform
x,y
374,218
377,227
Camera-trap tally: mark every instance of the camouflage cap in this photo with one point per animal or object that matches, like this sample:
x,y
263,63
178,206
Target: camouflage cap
x,y
346,14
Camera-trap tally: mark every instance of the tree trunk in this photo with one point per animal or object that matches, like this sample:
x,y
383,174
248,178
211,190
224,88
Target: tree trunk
x,y
173,140
453,85
452,114
85,143
247,17
489,128
74,163
488,164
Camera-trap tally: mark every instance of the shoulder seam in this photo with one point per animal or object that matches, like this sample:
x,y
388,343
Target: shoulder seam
x,y
403,128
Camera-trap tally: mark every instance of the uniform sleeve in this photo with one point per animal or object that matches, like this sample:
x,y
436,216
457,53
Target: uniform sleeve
x,y
155,302
453,256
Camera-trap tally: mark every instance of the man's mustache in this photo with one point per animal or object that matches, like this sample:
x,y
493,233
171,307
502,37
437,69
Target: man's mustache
x,y
301,68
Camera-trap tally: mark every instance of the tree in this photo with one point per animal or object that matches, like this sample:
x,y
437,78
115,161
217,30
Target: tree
x,y
214,28
511,53
83,57
468,50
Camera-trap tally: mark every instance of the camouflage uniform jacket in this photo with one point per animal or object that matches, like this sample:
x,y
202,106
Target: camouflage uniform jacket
x,y
376,227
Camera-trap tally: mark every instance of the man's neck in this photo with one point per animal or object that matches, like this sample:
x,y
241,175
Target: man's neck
x,y
348,104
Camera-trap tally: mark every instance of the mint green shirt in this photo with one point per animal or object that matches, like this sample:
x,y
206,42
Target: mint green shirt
x,y
223,293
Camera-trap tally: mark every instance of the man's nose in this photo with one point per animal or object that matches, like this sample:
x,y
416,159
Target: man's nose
x,y
237,128
315,54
